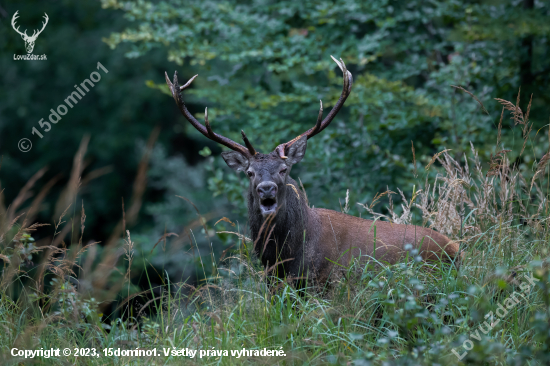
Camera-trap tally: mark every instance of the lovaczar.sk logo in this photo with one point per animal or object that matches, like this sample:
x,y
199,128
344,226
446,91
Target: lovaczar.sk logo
x,y
29,40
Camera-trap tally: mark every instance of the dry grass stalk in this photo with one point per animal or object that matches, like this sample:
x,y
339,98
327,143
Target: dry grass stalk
x,y
241,237
527,128
266,240
494,198
163,238
414,159
541,167
295,190
378,196
68,195
48,262
304,190
35,205
23,195
500,128
140,183
526,120
226,220
497,162
129,251
404,218
517,114
473,96
435,157
517,111
345,209
5,258
95,174
445,213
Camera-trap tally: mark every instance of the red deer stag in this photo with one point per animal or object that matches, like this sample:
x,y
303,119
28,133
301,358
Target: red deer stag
x,y
303,241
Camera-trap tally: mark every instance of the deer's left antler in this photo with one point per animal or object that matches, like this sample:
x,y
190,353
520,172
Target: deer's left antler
x,y
322,124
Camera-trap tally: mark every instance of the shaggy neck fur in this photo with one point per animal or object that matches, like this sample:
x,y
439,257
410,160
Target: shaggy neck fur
x,y
281,237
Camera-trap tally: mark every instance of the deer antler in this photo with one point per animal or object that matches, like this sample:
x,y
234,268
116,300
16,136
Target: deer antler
x,y
15,16
206,131
321,125
34,35
24,34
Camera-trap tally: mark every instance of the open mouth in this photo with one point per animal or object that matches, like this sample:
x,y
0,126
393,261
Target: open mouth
x,y
268,206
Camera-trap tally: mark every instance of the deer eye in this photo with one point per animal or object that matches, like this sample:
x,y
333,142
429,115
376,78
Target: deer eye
x,y
250,173
283,172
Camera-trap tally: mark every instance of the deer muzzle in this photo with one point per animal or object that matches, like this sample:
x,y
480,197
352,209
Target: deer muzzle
x,y
267,192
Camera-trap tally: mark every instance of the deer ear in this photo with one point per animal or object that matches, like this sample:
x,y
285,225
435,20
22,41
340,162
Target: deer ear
x,y
296,151
235,160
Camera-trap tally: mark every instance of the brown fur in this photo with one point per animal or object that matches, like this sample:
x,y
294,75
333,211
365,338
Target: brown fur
x,y
343,237
297,241
332,236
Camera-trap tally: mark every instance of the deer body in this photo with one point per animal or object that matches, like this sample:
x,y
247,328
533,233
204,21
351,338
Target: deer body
x,y
308,241
296,241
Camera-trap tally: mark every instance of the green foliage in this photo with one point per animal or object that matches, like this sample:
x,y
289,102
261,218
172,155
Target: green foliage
x,y
176,179
263,64
22,246
408,313
412,312
118,111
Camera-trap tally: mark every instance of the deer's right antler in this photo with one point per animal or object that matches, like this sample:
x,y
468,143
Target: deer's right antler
x,y
206,131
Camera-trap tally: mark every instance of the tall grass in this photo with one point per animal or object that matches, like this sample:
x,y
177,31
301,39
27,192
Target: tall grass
x,y
409,313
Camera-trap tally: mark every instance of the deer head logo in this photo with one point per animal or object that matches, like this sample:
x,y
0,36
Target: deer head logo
x,y
29,40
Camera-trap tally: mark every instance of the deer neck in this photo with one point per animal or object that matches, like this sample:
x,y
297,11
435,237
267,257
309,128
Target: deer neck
x,y
281,237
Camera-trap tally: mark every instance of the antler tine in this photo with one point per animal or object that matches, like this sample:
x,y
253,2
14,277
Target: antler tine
x,y
176,89
321,125
337,62
13,20
207,124
188,83
43,24
319,119
248,144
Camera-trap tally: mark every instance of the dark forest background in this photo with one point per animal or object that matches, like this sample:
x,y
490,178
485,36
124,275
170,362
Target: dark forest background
x,y
263,66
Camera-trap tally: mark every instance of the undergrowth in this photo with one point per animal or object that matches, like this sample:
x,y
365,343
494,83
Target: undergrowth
x,y
494,309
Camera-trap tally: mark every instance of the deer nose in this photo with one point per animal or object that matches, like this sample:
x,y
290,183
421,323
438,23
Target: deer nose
x,y
267,190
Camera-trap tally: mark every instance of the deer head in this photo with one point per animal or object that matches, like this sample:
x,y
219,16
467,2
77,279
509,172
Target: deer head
x,y
268,173
29,40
